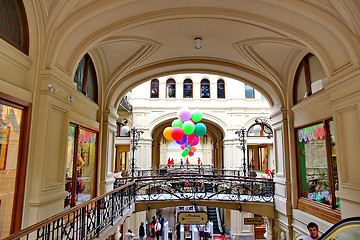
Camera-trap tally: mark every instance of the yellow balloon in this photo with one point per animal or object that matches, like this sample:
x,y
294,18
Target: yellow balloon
x,y
167,133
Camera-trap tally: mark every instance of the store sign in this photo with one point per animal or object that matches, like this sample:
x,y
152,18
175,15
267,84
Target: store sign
x,y
193,218
253,221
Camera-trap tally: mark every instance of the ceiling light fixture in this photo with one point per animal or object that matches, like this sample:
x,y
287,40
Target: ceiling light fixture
x,y
197,43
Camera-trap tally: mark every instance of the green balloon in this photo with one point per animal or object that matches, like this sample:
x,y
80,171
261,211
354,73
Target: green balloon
x,y
200,129
188,127
177,123
184,153
196,116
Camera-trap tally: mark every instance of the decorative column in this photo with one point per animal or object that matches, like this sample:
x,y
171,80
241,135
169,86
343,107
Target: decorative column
x,y
107,156
282,178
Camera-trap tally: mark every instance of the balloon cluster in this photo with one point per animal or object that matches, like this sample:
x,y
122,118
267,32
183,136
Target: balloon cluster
x,y
186,130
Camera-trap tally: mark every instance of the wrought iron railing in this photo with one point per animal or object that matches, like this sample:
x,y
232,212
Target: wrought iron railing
x,y
84,221
89,219
181,169
185,186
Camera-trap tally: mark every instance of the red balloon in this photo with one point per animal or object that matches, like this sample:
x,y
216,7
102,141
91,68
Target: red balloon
x,y
177,133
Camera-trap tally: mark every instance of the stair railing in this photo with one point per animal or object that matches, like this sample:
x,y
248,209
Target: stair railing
x,y
84,221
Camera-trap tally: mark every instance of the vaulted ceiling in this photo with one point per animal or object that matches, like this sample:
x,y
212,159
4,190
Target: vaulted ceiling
x,y
256,41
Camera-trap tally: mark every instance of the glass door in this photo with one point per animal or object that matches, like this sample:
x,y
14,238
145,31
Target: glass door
x,y
81,174
12,166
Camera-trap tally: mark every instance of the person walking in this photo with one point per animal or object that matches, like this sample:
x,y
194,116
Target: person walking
x,y
129,235
157,229
152,226
141,231
178,231
201,232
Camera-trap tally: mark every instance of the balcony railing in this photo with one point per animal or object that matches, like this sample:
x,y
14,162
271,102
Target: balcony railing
x,y
204,170
220,185
84,221
89,219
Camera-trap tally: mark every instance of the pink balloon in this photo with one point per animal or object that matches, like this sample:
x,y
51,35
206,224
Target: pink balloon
x,y
196,141
193,140
183,146
191,153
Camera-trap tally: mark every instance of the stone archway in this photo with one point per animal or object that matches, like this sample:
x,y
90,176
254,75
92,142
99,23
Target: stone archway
x,y
214,132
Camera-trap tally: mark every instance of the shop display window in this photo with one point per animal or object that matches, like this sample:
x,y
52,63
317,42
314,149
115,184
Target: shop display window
x,y
318,177
80,177
14,122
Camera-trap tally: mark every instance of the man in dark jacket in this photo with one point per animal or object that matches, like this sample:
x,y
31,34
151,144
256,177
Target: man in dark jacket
x,y
141,231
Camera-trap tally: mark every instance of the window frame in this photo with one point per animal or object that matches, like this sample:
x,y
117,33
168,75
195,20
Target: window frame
x,y
119,125
327,212
166,89
192,87
261,130
303,64
253,92
96,164
204,84
154,82
21,169
89,65
24,29
219,82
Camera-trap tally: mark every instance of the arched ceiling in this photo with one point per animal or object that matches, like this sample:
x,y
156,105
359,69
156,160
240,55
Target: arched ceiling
x,y
259,42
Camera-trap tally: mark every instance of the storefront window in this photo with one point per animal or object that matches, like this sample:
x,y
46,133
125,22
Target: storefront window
x,y
10,129
81,174
318,178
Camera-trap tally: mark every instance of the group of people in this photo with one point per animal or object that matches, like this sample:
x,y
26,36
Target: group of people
x,y
171,162
156,227
204,233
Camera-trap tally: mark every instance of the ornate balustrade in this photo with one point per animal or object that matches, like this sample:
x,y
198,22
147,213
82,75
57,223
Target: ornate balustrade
x,y
181,169
89,219
222,185
84,221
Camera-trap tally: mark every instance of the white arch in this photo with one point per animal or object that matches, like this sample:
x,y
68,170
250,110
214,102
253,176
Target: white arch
x,y
216,120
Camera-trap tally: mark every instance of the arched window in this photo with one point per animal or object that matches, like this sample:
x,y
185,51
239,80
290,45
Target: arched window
x,y
188,88
170,88
260,129
154,88
205,88
310,78
249,92
13,24
220,88
85,78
